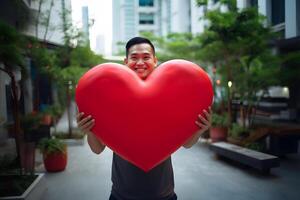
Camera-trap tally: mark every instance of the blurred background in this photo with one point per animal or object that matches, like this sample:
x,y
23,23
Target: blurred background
x,y
250,48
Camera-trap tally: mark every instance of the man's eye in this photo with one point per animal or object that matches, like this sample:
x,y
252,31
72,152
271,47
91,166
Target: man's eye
x,y
133,58
146,58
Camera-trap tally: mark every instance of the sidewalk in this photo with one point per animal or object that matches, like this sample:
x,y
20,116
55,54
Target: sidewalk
x,y
198,175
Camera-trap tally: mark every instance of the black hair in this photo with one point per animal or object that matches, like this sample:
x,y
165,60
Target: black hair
x,y
138,40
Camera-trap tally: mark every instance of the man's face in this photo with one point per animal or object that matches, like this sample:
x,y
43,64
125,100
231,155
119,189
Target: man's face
x,y
141,59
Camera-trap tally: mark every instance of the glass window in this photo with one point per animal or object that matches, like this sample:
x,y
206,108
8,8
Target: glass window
x,y
278,12
146,2
146,18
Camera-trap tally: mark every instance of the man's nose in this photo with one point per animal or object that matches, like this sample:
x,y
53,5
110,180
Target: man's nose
x,y
140,61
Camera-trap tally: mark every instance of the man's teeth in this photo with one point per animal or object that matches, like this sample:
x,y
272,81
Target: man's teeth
x,y
140,70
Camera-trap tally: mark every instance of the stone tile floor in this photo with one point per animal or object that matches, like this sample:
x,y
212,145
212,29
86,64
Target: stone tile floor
x,y
199,174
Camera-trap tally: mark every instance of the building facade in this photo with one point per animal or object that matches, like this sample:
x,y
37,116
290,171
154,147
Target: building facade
x,y
284,17
36,91
85,24
160,17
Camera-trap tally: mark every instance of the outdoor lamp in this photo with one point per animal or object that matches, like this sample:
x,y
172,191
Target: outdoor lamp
x,y
229,84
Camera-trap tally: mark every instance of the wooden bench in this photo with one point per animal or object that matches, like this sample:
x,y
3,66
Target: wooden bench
x,y
261,161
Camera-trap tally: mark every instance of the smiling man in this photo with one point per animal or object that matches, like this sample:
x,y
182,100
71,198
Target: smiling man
x,y
130,182
140,56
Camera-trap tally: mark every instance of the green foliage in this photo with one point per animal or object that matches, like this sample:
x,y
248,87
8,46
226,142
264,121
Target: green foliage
x,y
30,122
10,46
231,4
234,34
51,146
255,146
54,110
72,73
175,46
236,42
75,135
238,131
220,120
44,59
291,75
84,57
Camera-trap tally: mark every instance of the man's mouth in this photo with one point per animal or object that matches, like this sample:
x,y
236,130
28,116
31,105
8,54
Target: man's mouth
x,y
140,70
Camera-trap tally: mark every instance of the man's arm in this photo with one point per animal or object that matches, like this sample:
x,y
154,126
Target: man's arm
x,y
85,125
204,124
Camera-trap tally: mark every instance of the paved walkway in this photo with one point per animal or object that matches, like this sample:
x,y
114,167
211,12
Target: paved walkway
x,y
198,175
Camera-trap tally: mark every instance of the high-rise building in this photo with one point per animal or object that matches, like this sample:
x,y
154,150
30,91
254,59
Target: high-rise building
x,y
85,24
100,45
133,17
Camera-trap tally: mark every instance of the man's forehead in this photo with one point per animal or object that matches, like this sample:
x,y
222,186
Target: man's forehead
x,y
143,48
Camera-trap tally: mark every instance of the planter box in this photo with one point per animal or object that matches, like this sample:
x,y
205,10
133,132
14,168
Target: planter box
x,y
34,191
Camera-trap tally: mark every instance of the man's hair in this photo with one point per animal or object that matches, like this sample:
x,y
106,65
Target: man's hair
x,y
138,40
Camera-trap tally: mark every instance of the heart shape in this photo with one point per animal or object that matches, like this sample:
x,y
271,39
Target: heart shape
x,y
144,121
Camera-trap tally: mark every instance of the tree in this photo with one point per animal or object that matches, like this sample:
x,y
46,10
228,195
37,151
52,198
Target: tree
x,y
12,59
237,43
175,46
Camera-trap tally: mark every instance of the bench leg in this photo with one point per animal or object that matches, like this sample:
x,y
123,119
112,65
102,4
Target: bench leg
x,y
266,171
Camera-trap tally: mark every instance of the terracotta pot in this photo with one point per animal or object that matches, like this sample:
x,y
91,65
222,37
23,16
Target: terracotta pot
x,y
218,134
47,120
55,162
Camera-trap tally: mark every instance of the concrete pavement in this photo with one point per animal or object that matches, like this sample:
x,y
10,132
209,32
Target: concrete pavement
x,y
199,174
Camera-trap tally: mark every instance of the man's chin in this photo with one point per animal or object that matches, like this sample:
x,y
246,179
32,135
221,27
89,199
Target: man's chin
x,y
142,76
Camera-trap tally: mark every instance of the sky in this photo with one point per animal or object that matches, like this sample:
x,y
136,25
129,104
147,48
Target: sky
x,y
101,12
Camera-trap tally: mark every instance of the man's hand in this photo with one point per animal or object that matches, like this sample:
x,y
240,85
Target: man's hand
x,y
85,124
204,123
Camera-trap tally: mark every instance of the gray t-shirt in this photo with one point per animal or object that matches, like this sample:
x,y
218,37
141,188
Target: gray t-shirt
x,y
132,183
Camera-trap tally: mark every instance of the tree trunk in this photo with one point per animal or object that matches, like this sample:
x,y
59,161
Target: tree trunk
x,y
19,139
69,111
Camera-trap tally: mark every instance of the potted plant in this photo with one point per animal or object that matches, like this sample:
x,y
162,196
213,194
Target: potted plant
x,y
218,130
50,114
238,131
54,154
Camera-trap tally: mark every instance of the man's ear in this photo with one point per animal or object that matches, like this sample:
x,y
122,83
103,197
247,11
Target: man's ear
x,y
125,61
155,60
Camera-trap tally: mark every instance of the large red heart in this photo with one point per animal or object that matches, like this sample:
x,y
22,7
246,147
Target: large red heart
x,y
145,121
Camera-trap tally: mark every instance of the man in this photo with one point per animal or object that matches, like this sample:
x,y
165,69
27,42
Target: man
x,y
130,182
